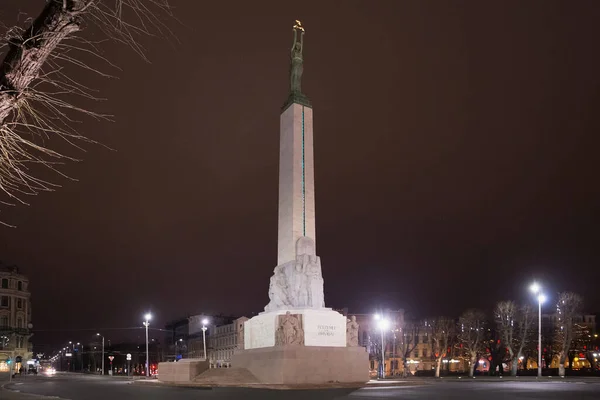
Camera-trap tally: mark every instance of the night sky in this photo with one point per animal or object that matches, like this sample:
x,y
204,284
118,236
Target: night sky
x,y
455,151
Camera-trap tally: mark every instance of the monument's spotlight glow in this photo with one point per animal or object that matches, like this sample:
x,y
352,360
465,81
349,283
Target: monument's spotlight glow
x,y
535,288
377,317
383,324
205,321
148,316
541,298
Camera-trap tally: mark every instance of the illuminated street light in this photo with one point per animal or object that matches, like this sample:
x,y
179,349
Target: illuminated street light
x,y
536,289
383,325
147,318
204,328
98,334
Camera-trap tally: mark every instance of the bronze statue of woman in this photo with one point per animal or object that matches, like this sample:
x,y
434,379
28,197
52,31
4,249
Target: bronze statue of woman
x,y
297,60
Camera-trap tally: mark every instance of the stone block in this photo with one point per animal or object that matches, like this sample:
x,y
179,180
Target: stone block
x,y
182,371
301,365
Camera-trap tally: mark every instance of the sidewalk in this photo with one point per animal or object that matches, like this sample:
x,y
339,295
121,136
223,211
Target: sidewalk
x,y
6,394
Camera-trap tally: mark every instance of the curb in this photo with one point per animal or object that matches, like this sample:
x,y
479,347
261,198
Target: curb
x,y
210,386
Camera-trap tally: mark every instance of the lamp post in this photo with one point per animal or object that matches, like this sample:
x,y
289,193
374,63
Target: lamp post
x,y
147,318
383,324
97,334
73,355
180,340
537,290
204,328
81,354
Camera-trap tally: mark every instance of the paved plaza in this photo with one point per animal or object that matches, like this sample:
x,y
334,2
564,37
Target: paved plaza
x,y
77,387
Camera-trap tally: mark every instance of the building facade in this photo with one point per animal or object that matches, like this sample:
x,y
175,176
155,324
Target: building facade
x,y
223,334
224,340
15,319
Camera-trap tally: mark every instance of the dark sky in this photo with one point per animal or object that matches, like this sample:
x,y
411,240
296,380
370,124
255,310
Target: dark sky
x,y
456,160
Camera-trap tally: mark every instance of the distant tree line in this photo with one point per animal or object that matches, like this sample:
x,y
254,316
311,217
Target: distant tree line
x,y
506,339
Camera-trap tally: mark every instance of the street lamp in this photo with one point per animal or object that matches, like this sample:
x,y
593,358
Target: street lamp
x,y
180,340
97,334
147,318
537,290
383,325
204,328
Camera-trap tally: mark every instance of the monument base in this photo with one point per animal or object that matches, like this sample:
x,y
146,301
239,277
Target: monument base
x,y
182,371
319,327
299,365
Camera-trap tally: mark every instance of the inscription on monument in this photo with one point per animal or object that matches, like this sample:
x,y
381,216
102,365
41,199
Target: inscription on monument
x,y
326,330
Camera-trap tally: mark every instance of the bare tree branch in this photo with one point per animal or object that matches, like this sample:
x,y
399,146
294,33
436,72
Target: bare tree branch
x,y
36,92
470,329
568,307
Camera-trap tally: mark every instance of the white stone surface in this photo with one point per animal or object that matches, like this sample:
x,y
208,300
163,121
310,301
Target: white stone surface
x,y
296,181
322,327
298,283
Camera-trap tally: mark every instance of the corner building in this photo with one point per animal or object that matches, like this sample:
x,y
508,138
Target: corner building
x,y
15,319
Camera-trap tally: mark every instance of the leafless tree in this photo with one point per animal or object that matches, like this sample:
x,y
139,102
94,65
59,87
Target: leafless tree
x,y
514,324
567,308
470,329
406,341
37,90
442,329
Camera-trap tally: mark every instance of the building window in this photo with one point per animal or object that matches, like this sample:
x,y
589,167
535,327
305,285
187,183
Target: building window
x,y
416,339
424,352
4,283
4,301
4,321
19,322
20,304
416,353
20,285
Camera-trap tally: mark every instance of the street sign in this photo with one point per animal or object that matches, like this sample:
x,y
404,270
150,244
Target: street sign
x,y
128,356
111,358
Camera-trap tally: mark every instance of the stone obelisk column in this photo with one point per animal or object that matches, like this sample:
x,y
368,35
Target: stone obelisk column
x,y
297,280
296,164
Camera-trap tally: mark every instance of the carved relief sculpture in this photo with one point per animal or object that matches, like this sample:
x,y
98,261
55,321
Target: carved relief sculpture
x,y
352,332
289,330
298,283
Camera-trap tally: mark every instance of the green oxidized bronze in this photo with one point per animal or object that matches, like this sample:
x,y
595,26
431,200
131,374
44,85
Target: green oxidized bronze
x,y
296,69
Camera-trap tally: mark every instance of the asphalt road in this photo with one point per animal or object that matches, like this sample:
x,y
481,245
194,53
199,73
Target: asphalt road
x,y
98,388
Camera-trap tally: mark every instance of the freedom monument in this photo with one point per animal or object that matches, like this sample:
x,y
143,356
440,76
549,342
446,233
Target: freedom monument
x,y
297,340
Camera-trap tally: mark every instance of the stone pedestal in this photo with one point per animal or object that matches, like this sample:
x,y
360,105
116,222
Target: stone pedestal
x,y
321,327
182,371
301,346
300,365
